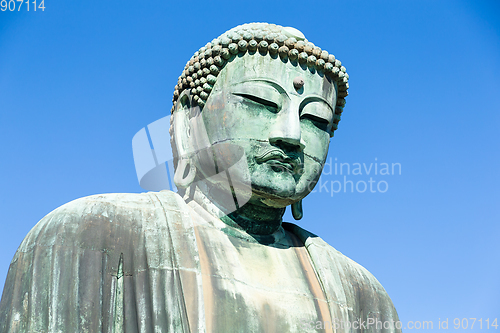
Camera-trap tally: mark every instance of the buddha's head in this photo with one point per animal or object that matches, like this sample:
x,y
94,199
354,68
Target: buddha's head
x,y
263,95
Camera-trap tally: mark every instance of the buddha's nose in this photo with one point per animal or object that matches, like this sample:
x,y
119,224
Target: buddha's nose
x,y
286,130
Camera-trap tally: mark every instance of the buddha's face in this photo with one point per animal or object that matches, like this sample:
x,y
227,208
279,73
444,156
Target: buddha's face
x,y
283,127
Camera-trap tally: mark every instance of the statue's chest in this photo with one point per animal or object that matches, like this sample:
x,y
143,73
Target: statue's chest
x,y
250,287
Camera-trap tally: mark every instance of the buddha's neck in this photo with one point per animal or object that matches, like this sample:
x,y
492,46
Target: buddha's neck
x,y
251,218
255,219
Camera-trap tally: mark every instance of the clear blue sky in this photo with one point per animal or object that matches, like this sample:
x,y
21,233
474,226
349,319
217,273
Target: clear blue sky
x,y
78,80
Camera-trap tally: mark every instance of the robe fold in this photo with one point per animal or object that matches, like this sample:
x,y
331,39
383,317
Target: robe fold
x,y
131,263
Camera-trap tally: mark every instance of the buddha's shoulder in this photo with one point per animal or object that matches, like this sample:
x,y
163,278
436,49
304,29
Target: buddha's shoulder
x,y
109,215
330,262
126,205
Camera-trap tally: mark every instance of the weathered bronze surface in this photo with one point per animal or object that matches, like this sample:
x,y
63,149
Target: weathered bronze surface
x,y
250,137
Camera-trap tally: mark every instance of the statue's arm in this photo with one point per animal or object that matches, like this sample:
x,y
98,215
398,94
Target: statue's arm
x,y
65,274
355,294
371,303
98,264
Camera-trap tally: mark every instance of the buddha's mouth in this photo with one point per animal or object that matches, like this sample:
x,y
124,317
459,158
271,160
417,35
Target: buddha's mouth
x,y
278,160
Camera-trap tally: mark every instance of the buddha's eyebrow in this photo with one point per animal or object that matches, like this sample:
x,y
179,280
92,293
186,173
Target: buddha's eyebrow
x,y
270,82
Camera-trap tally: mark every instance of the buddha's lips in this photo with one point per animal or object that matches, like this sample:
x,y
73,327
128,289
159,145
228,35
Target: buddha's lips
x,y
278,158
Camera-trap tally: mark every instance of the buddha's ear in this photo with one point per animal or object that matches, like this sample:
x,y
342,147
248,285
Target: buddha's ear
x,y
182,128
182,136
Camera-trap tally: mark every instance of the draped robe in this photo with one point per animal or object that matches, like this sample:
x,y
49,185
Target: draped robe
x,y
132,263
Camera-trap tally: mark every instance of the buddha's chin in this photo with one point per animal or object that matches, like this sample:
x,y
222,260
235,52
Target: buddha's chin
x,y
278,195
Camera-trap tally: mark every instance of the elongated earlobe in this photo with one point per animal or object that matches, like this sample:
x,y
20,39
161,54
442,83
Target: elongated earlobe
x,y
180,180
297,210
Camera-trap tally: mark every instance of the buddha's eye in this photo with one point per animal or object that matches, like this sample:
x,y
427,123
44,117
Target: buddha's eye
x,y
262,101
314,118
